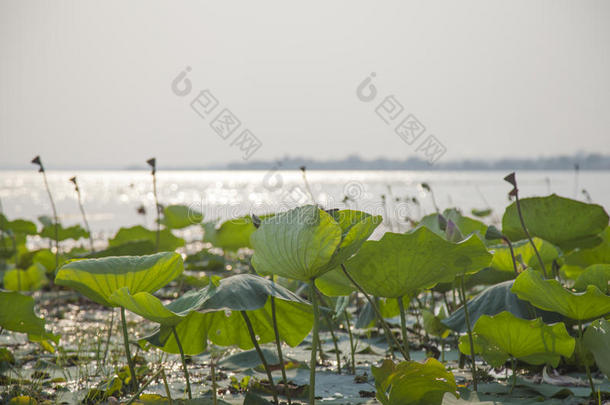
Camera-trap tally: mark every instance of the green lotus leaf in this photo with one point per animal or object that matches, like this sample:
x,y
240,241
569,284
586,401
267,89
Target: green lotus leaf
x,y
587,257
404,264
297,244
597,340
72,232
466,225
31,279
433,324
335,284
17,226
167,240
551,296
411,382
500,337
98,279
132,248
219,320
180,216
597,275
356,227
492,301
503,261
231,235
566,223
150,307
46,258
17,314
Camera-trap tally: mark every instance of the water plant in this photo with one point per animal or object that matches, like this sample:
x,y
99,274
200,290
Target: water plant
x,y
152,162
37,161
99,279
74,181
238,311
303,244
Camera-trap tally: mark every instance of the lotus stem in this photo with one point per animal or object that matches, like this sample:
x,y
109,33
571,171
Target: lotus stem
x,y
186,373
108,337
515,192
582,353
152,162
403,324
332,333
303,171
512,254
278,343
82,211
146,384
513,365
314,343
167,391
469,328
260,354
385,326
38,162
351,340
132,369
213,373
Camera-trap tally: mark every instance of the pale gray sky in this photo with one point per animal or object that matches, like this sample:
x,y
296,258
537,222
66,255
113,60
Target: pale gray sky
x,y
87,83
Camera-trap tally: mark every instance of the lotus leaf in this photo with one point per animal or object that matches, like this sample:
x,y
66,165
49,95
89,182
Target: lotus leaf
x,y
98,279
404,264
231,235
597,339
566,223
167,240
180,216
306,242
500,337
411,382
551,296
17,314
218,318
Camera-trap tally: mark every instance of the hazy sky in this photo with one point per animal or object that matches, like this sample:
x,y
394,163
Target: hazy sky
x,y
86,83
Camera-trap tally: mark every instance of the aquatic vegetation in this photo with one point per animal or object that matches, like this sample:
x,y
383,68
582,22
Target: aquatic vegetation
x,y
99,279
530,297
303,244
410,382
504,336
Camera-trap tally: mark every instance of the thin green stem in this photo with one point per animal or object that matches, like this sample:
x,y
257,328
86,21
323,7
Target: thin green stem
x,y
403,324
82,211
469,328
260,354
278,343
214,387
55,218
513,365
146,384
186,373
518,203
512,255
158,237
314,342
383,323
108,337
332,333
167,391
351,340
132,369
582,353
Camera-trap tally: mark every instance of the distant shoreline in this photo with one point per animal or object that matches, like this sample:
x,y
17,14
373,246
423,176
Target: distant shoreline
x,y
580,161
